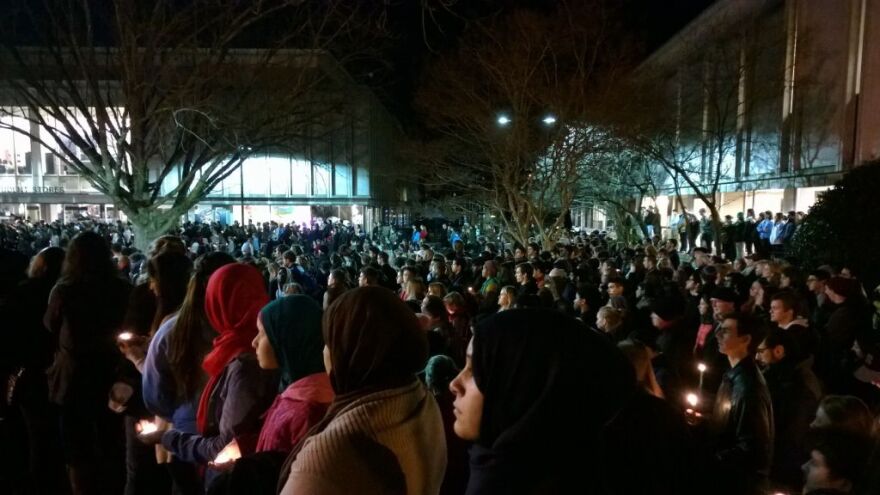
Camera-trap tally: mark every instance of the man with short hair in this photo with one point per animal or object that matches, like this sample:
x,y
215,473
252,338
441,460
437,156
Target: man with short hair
x,y
287,261
438,272
783,307
794,392
765,228
532,251
460,279
369,277
489,288
723,301
280,249
777,235
741,427
701,257
526,284
679,226
838,461
519,255
616,287
707,230
389,274
438,327
820,307
674,364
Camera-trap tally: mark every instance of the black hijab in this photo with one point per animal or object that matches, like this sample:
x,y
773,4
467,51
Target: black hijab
x,y
549,386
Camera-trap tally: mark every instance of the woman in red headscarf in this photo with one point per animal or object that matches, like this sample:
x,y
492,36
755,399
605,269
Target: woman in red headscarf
x,y
238,390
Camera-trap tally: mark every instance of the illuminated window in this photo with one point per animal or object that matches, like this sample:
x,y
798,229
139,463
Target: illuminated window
x,y
301,171
342,184
321,179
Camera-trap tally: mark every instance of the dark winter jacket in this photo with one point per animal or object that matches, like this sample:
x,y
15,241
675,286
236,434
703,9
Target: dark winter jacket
x,y
85,320
795,392
742,430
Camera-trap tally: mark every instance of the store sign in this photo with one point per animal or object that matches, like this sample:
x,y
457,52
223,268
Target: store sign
x,y
38,189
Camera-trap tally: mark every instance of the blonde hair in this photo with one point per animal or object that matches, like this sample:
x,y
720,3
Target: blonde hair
x,y
613,317
415,289
437,289
640,357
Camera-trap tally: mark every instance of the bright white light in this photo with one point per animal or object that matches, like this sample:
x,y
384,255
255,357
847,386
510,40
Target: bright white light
x,y
692,399
229,453
147,427
550,120
701,367
503,120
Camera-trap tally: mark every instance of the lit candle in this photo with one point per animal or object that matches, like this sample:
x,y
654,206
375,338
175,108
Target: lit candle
x,y
126,336
692,399
701,367
229,453
145,427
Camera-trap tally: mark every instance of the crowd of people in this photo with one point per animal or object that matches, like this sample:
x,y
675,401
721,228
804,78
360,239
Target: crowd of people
x,y
272,358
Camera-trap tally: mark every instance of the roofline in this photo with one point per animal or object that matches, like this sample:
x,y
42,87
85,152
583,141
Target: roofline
x,y
721,14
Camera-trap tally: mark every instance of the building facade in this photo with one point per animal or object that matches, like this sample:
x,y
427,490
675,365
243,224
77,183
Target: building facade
x,y
343,173
773,100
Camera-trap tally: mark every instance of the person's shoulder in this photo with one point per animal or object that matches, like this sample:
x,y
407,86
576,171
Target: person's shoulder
x,y
749,380
244,364
164,330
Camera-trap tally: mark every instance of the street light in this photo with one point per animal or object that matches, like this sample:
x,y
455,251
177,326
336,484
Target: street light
x,y
503,120
550,119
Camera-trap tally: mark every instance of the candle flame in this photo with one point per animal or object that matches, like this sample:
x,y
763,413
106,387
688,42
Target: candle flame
x,y
145,427
692,399
701,367
126,336
229,453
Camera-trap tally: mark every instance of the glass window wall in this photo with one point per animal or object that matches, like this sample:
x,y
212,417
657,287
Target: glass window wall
x,y
256,176
301,182
342,183
322,179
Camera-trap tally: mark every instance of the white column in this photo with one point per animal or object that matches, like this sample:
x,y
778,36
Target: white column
x,y
36,155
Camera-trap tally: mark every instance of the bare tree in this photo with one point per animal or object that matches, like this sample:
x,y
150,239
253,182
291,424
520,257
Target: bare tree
x,y
617,182
155,103
715,115
510,114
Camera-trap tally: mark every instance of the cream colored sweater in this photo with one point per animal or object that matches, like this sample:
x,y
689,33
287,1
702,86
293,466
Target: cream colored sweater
x,y
389,442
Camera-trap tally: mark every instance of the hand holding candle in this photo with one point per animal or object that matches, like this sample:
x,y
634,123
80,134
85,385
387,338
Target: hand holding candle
x,y
149,432
134,347
145,427
227,457
692,415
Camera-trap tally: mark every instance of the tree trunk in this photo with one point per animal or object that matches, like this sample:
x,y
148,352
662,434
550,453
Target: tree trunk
x,y
627,225
150,225
716,229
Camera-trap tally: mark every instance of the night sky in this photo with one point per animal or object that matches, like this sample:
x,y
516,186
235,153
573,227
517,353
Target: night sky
x,y
418,30
419,35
